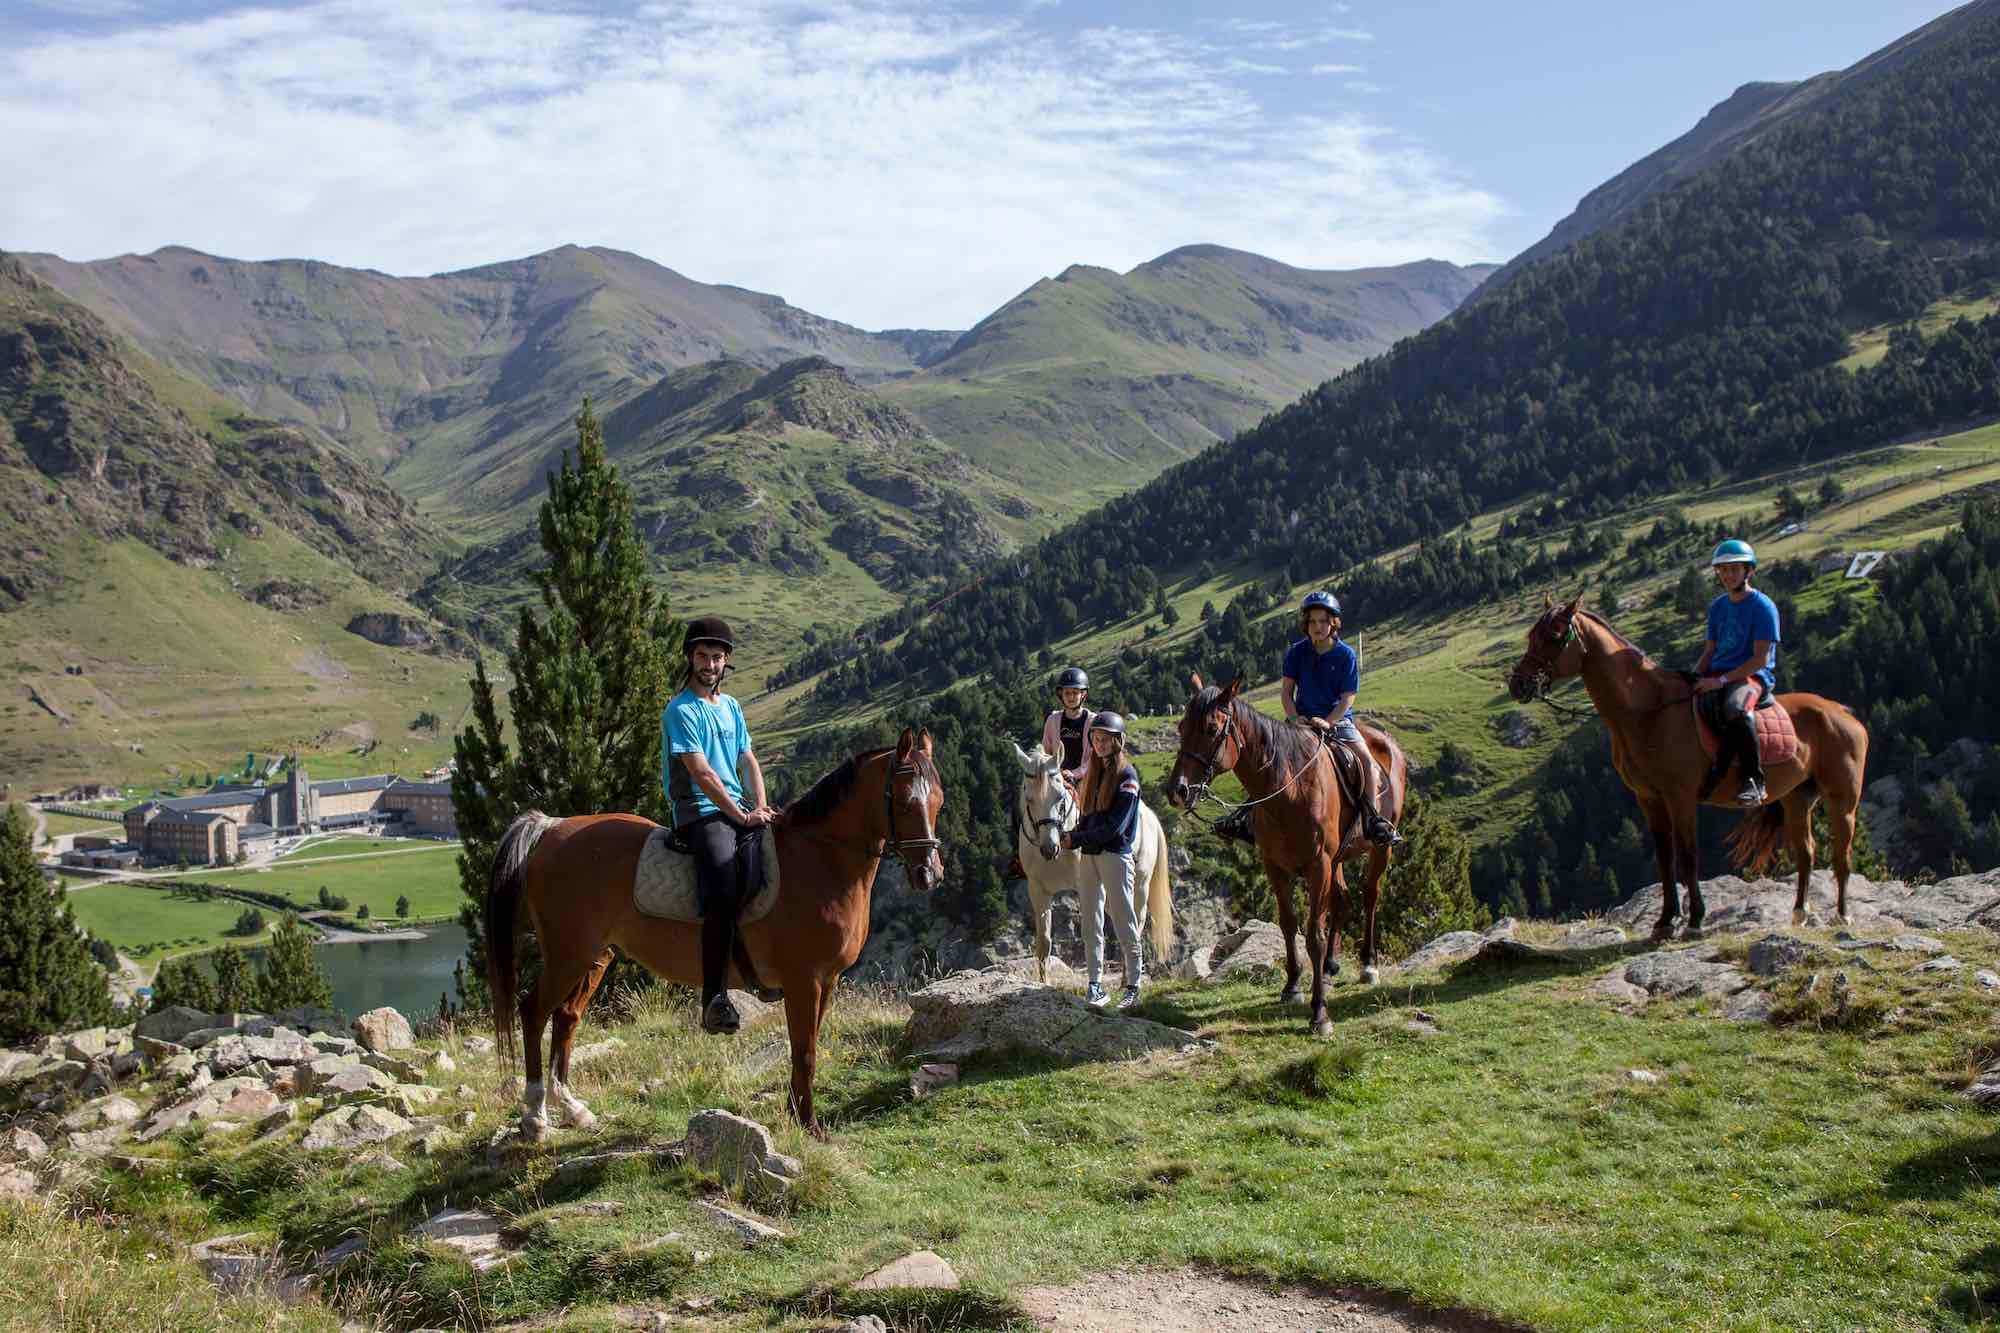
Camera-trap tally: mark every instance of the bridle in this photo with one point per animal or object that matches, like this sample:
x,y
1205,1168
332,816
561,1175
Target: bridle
x,y
1199,791
902,845
1543,665
1063,821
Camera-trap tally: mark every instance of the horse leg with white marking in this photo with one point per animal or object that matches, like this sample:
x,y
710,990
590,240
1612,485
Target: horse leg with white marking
x,y
568,1017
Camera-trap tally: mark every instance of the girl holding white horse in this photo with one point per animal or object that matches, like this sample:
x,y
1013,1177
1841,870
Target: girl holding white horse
x,y
1109,832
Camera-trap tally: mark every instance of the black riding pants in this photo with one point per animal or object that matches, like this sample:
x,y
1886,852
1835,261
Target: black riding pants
x,y
719,886
1728,711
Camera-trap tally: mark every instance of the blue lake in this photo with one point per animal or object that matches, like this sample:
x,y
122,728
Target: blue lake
x,y
407,974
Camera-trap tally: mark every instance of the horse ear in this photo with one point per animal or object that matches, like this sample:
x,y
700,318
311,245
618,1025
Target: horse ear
x,y
1028,764
904,744
1548,602
1574,603
1194,679
1230,691
924,740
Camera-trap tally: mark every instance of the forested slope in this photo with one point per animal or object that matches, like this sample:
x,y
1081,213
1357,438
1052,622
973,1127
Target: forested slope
x,y
1695,340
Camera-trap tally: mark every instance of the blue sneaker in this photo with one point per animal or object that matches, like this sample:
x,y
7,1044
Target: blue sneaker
x,y
1095,996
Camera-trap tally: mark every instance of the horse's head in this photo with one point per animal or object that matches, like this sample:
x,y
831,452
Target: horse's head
x,y
1554,651
1048,806
1210,742
914,798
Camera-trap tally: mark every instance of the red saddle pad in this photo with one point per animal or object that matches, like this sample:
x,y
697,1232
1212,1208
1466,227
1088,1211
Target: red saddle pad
x,y
1777,740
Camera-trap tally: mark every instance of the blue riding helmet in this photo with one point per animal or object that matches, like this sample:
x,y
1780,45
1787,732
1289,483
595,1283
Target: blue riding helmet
x,y
1323,599
1733,552
1108,721
1073,678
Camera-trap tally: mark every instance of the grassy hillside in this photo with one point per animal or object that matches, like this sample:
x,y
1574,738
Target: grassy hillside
x,y
1770,1177
1093,380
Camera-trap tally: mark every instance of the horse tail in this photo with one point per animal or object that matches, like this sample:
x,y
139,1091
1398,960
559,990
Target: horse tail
x,y
1160,899
1753,847
503,897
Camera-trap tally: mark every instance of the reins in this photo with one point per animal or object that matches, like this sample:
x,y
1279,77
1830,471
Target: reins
x,y
879,848
1544,677
1200,791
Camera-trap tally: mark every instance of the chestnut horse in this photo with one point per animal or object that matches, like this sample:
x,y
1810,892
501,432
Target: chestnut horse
x,y
1656,747
575,878
1298,817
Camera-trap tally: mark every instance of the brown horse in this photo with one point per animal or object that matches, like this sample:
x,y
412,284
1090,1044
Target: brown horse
x,y
575,877
1298,818
1656,747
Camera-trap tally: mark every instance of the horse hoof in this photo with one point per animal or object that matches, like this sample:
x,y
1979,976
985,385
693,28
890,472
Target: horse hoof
x,y
1369,976
1333,967
1323,1027
534,1129
1694,931
582,1117
1844,919
1798,917
1663,931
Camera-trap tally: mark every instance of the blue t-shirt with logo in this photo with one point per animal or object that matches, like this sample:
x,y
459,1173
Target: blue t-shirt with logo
x,y
1322,677
693,725
1736,627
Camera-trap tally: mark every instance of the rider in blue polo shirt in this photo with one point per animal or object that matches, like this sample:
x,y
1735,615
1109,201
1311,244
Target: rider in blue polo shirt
x,y
1322,676
1738,668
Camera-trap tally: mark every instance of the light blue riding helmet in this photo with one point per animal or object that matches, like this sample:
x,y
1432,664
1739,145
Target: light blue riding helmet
x,y
1733,552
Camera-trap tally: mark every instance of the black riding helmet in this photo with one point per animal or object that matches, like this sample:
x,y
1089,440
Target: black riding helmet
x,y
709,629
1073,678
1108,721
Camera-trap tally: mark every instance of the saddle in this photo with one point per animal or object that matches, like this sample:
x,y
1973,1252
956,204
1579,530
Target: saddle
x,y
1777,739
664,885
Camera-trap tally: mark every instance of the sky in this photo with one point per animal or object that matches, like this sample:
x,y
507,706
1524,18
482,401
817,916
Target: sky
x,y
889,163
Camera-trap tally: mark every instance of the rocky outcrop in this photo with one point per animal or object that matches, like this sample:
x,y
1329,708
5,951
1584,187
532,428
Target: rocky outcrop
x,y
382,1030
1734,904
993,1013
392,630
740,1152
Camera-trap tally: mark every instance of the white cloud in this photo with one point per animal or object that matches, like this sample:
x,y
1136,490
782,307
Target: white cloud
x,y
1363,86
871,160
1337,69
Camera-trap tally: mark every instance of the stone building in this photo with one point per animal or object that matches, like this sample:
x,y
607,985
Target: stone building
x,y
257,814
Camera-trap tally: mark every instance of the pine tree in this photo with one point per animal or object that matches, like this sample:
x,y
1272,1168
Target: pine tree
x,y
236,989
592,673
48,980
183,981
291,975
1428,891
403,905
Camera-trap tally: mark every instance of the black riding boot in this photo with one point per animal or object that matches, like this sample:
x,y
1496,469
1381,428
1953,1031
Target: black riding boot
x,y
718,934
1235,827
1750,756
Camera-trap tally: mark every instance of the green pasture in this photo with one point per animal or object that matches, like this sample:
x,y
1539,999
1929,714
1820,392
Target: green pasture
x,y
353,846
1508,1164
1870,345
428,876
149,922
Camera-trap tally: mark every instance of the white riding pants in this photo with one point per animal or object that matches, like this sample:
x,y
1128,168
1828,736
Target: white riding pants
x,y
1116,876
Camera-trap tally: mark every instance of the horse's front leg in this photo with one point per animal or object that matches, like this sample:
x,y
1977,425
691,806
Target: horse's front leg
x,y
1045,910
1690,864
1288,923
1322,906
1799,842
1333,920
1662,825
802,1015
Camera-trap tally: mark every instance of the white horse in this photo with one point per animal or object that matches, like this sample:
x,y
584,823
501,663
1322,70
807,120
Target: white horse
x,y
1048,810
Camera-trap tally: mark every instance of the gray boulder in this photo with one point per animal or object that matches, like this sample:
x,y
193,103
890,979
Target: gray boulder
x,y
235,1099
1255,944
740,1151
86,1045
925,1268
354,1083
384,1030
23,1145
475,1235
1679,973
1774,955
993,1012
311,1018
352,1126
172,1023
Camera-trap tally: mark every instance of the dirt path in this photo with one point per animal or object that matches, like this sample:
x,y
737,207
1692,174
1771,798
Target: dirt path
x,y
1192,1300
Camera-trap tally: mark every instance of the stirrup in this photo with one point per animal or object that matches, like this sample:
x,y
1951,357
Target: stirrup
x,y
1384,834
1753,792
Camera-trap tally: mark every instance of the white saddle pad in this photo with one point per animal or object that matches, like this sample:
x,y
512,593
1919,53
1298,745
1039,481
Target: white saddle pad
x,y
664,885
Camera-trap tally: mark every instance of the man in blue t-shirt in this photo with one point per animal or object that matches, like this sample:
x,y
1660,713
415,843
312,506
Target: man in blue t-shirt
x,y
705,764
1738,668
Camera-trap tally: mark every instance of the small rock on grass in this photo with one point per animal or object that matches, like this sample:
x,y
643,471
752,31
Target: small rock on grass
x,y
1642,1076
925,1268
753,1231
1944,964
1987,978
24,1144
929,1078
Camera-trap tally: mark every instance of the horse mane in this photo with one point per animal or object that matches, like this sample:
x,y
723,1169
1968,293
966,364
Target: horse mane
x,y
824,796
1605,625
1294,745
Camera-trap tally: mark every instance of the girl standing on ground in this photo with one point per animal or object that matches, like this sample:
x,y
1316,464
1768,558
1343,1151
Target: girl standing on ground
x,y
1109,831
